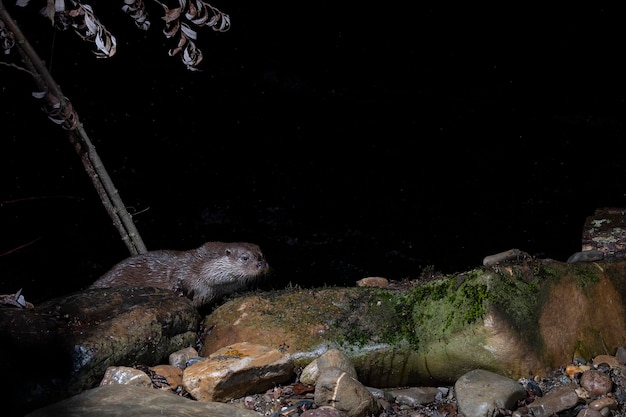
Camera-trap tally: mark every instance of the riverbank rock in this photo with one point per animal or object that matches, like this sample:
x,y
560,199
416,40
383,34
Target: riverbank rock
x,y
235,371
517,318
64,346
133,401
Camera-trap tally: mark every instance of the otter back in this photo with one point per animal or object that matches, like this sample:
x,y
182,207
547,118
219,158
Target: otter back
x,y
211,271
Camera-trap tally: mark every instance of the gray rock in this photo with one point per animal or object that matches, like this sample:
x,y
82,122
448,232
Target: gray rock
x,y
415,395
338,389
130,401
332,358
558,399
481,393
586,256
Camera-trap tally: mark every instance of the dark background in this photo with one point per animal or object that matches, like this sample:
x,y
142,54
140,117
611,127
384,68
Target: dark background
x,y
347,140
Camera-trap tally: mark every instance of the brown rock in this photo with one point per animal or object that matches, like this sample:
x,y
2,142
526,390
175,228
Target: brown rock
x,y
172,375
507,320
75,338
378,282
596,383
235,371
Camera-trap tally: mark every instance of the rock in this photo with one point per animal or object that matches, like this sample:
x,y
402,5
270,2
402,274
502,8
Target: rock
x,y
332,358
172,375
586,256
132,401
610,360
558,399
508,318
415,395
509,255
596,383
601,403
605,231
181,357
379,282
235,371
336,388
481,393
75,338
125,375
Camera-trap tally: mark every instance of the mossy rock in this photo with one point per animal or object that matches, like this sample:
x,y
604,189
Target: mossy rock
x,y
520,320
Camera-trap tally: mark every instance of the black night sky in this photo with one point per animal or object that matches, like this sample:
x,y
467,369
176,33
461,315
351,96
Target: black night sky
x,y
346,140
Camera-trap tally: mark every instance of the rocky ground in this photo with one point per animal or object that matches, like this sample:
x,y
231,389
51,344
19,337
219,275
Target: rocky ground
x,y
294,398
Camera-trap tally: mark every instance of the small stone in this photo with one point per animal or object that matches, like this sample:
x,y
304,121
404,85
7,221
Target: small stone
x,y
125,375
601,403
337,388
415,396
612,361
596,382
332,358
378,282
556,400
180,358
172,374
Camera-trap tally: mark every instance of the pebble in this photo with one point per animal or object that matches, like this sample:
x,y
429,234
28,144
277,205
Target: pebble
x,y
596,383
593,389
607,402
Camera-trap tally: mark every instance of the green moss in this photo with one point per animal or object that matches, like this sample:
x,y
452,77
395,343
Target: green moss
x,y
586,274
474,304
370,318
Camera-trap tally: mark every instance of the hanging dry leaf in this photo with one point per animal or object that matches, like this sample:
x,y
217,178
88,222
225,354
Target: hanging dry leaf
x,y
137,11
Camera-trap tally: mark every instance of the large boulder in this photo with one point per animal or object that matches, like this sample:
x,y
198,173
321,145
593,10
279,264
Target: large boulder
x,y
64,346
519,319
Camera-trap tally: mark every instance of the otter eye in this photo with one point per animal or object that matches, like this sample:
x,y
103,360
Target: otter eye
x,y
245,258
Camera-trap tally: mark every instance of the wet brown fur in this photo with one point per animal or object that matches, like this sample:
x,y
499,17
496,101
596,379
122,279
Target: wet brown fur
x,y
211,271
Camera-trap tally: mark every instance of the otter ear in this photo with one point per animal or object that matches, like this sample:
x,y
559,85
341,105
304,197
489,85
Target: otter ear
x,y
228,251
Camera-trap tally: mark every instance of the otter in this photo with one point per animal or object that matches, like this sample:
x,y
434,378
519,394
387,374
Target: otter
x,y
204,274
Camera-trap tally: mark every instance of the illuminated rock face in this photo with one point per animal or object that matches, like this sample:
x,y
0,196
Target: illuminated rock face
x,y
519,319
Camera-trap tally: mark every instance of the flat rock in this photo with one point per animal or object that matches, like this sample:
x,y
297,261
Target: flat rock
x,y
130,401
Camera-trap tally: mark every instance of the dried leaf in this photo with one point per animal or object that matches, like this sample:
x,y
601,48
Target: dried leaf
x,y
190,33
137,11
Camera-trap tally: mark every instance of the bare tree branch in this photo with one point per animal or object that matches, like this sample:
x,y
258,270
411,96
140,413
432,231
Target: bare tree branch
x,y
60,111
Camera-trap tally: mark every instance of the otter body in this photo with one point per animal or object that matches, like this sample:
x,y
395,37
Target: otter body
x,y
211,271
